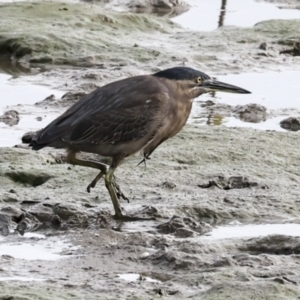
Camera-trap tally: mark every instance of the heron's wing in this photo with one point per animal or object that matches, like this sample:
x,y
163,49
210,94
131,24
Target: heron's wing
x,y
122,103
119,125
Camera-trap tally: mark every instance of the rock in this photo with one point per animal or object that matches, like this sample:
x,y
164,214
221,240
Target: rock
x,y
291,123
28,178
253,113
9,216
10,117
27,137
263,46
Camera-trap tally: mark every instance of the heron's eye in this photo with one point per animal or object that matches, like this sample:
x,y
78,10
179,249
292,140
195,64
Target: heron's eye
x,y
198,79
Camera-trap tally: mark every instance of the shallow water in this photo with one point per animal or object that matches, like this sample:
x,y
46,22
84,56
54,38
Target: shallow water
x,y
277,91
207,15
11,95
246,231
41,249
20,278
136,277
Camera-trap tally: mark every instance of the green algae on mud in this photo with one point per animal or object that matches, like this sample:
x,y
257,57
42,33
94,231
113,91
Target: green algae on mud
x,y
60,33
74,34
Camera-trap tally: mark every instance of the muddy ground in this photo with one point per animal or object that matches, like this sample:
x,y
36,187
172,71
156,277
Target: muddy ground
x,y
204,177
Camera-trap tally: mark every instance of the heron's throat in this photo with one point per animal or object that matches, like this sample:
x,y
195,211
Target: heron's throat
x,y
195,92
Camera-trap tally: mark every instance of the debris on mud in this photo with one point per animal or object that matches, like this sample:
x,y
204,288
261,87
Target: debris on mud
x,y
233,182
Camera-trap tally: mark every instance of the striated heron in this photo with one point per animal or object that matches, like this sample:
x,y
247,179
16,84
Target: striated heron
x,y
127,116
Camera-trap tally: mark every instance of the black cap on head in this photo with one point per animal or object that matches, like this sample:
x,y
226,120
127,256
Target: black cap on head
x,y
181,73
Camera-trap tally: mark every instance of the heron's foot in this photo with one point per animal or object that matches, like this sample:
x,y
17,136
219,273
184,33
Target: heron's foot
x,y
117,188
95,180
91,186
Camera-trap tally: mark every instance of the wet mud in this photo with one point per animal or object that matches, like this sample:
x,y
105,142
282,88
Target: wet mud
x,y
224,199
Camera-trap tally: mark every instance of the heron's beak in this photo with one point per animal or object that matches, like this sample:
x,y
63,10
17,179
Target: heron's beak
x,y
211,85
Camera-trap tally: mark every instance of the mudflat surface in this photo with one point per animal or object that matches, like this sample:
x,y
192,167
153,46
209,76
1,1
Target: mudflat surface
x,y
225,199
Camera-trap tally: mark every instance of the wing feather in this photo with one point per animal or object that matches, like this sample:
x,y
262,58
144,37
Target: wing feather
x,y
117,112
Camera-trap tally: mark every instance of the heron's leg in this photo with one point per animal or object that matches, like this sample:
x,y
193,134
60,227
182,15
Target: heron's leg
x,y
94,182
71,159
109,183
119,193
112,192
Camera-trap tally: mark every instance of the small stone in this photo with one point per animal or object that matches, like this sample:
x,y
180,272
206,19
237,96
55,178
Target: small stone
x,y
263,46
291,123
168,185
27,137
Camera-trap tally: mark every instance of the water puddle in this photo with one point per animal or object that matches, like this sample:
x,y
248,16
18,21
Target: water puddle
x,y
42,249
13,94
20,278
277,91
207,15
250,231
136,277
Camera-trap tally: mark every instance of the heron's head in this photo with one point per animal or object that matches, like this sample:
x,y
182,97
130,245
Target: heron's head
x,y
197,82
